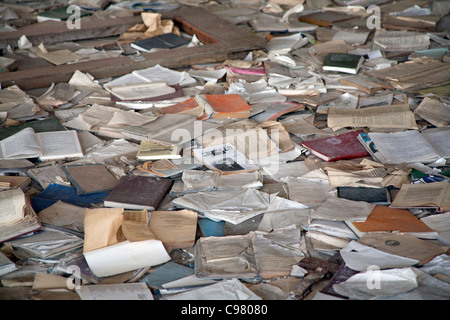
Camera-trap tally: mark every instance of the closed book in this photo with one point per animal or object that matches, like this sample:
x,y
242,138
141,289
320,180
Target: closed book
x,y
138,192
219,106
152,150
90,178
379,196
60,14
341,147
324,18
57,192
386,219
343,62
163,41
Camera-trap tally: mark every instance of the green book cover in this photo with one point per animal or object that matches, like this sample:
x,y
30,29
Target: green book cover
x,y
59,14
343,62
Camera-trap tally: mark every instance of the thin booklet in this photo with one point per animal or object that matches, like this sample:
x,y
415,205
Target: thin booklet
x,y
224,159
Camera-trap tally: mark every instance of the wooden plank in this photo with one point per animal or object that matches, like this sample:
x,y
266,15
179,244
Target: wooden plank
x,y
57,31
225,40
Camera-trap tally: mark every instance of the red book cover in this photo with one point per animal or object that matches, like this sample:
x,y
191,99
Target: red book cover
x,y
341,147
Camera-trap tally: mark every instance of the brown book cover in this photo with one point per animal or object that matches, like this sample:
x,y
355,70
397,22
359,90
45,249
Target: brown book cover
x,y
383,218
90,178
138,192
324,18
228,106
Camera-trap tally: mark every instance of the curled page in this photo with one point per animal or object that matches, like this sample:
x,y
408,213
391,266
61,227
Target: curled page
x,y
126,256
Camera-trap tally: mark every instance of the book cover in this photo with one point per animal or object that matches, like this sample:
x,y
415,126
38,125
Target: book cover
x,y
226,106
90,178
379,196
163,41
138,192
341,147
385,219
324,18
59,14
189,106
151,150
57,192
343,62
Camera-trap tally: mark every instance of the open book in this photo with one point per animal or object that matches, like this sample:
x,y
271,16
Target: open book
x,y
224,159
43,145
406,146
424,195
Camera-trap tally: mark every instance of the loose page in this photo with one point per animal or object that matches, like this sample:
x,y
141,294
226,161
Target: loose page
x,y
338,209
141,90
121,291
126,256
400,40
176,229
392,116
434,111
440,140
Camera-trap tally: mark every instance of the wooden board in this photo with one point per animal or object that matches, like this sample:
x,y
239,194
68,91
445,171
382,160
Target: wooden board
x,y
57,31
222,39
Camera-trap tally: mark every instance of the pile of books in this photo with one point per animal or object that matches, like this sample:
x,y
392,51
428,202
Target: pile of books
x,y
223,152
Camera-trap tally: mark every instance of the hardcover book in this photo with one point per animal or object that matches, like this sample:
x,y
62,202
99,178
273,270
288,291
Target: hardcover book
x,y
138,192
163,41
341,147
90,178
217,106
343,62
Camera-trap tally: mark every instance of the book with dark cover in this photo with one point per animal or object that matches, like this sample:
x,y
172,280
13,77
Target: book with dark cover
x,y
379,196
341,147
59,14
138,192
163,41
343,62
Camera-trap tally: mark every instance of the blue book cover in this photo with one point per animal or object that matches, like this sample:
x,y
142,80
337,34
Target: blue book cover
x,y
57,192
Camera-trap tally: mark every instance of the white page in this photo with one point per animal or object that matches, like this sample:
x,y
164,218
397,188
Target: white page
x,y
120,291
338,209
440,140
389,283
59,144
126,256
224,158
360,257
404,146
231,289
22,144
171,77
